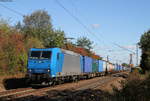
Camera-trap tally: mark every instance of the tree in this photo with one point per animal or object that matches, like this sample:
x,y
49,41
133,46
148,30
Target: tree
x,y
38,25
55,39
125,64
145,41
13,57
33,43
18,26
84,42
145,46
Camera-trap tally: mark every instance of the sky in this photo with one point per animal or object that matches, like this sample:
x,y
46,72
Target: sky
x,y
108,21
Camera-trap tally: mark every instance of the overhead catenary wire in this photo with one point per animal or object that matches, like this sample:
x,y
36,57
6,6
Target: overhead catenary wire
x,y
12,10
98,32
85,27
77,19
115,44
77,11
73,5
124,48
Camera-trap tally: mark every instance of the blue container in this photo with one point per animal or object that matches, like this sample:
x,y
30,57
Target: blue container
x,y
87,64
81,63
121,68
100,67
117,67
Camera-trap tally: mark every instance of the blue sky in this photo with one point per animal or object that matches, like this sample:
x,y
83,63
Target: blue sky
x,y
111,21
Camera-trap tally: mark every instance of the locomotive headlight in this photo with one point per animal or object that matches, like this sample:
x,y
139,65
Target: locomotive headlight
x,y
48,70
30,70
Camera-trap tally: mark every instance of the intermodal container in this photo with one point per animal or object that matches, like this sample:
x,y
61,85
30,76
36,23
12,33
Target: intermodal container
x,y
116,67
71,64
100,67
87,64
95,65
104,65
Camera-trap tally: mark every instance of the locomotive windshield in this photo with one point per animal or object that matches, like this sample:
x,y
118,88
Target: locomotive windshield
x,y
40,55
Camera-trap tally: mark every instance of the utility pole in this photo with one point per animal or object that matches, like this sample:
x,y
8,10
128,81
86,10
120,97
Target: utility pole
x,y
131,62
107,61
137,55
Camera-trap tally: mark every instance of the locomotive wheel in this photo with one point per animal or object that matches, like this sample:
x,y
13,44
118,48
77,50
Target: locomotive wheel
x,y
50,83
60,82
53,83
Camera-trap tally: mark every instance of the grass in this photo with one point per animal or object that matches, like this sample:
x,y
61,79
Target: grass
x,y
135,88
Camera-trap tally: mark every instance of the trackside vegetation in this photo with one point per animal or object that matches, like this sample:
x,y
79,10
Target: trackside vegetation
x,y
135,88
145,47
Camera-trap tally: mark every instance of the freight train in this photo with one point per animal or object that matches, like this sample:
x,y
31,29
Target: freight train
x,y
55,65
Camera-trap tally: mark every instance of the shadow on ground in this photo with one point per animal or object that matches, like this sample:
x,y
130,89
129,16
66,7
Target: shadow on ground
x,y
14,83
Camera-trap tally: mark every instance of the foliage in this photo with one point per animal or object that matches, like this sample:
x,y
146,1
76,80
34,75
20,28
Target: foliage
x,y
81,51
12,51
33,43
84,42
18,26
14,47
145,46
38,25
144,41
125,65
55,39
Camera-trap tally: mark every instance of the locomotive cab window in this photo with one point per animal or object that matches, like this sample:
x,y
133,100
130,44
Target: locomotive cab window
x,y
40,55
35,54
46,55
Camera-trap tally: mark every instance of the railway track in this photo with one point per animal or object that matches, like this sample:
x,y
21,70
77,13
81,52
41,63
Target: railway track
x,y
14,91
31,94
96,84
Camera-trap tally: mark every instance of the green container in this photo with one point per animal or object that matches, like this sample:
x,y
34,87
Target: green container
x,y
94,65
